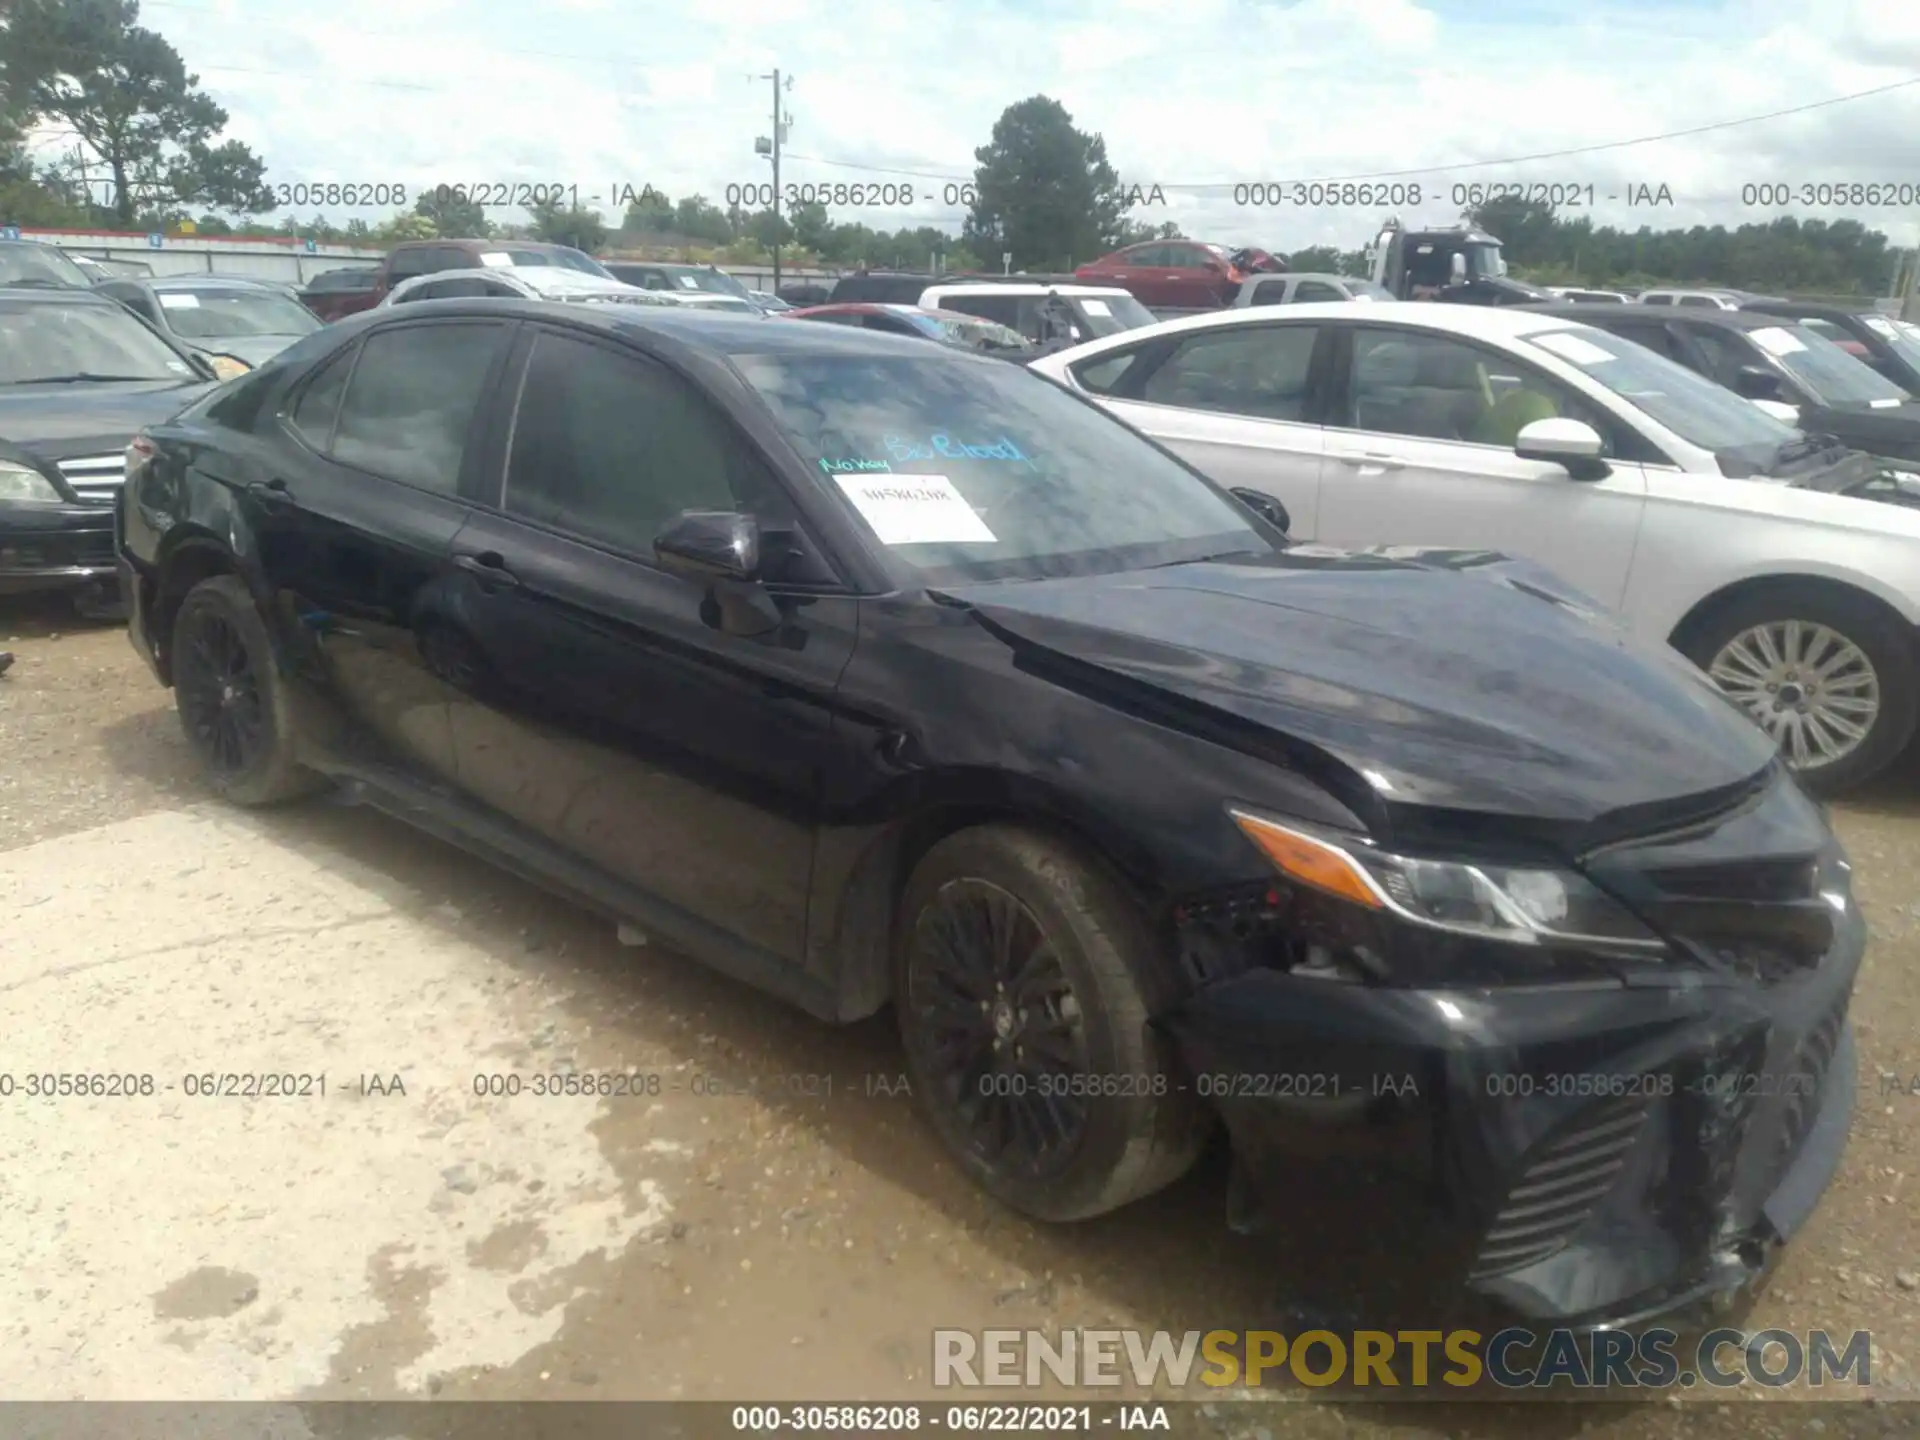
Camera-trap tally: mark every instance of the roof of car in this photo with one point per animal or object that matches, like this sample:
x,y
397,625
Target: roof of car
x,y
1726,319
1768,305
1491,322
720,333
1026,287
205,282
66,295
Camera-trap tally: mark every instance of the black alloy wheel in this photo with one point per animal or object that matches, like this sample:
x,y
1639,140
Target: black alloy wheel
x,y
1002,1027
234,706
1025,978
219,694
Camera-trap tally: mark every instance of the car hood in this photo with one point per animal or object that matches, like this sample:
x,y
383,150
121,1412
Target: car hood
x,y
1450,679
88,418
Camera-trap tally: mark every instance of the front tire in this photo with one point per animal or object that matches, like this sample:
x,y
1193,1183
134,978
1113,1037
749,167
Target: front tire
x,y
1023,981
233,703
1830,676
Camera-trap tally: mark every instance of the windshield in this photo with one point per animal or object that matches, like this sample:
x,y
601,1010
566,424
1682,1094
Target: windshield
x,y
1693,407
971,330
1108,314
39,267
560,255
227,314
1017,479
1484,261
717,282
60,341
1834,377
1901,338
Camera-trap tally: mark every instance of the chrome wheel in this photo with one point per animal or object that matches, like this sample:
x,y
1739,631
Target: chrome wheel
x,y
1807,685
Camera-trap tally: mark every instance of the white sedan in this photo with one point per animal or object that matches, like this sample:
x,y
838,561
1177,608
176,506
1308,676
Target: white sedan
x,y
1764,555
520,282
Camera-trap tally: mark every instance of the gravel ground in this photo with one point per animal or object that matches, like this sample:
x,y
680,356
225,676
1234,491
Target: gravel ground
x,y
814,1242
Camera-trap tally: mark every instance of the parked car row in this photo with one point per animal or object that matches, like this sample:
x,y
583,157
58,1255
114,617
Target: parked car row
x,y
1532,434
870,670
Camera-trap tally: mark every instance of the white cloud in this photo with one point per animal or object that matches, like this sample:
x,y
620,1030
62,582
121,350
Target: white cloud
x,y
1213,90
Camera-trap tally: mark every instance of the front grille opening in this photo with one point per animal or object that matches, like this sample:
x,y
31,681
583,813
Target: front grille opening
x,y
1566,1178
1753,881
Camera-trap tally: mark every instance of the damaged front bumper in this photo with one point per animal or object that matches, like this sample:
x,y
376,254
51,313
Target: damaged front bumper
x,y
1593,1154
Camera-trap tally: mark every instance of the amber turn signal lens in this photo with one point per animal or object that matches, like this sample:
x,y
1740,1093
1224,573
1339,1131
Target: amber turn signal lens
x,y
1310,861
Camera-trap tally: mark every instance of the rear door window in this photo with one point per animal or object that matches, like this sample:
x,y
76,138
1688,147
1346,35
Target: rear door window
x,y
1260,371
409,407
611,450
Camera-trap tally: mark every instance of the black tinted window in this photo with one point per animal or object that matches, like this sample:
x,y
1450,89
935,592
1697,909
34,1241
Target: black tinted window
x,y
1698,301
1311,290
411,401
612,449
1259,371
1269,292
314,411
454,289
403,264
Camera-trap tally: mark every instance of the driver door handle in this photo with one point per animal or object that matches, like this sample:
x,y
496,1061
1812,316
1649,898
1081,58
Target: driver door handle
x,y
1378,463
490,569
271,492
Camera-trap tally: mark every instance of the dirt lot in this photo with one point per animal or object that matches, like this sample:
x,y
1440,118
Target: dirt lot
x,y
402,1236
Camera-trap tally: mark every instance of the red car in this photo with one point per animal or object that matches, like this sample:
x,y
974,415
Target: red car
x,y
1169,274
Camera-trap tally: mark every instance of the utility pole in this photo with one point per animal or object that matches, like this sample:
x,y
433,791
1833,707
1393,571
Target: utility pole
x,y
1910,301
771,149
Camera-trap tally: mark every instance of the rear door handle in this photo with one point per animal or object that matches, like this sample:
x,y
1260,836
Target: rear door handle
x,y
490,569
1380,463
271,492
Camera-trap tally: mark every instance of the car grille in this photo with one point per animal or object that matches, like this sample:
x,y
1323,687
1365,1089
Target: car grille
x,y
1565,1178
57,552
96,479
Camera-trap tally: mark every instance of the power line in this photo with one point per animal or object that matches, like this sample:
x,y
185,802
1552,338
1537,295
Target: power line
x,y
1450,169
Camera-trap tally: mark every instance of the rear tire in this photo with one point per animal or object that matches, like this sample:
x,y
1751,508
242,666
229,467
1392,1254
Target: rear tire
x,y
233,703
1080,1109
1845,683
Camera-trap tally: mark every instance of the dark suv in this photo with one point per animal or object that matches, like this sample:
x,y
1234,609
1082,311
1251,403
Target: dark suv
x,y
871,671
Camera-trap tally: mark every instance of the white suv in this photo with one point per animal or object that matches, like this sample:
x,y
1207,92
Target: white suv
x,y
1758,551
1045,314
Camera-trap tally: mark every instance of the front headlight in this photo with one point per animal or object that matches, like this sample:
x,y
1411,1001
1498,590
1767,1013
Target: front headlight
x,y
226,367
26,486
1515,905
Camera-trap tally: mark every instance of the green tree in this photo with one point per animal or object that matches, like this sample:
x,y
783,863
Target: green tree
x,y
698,218
650,213
812,226
453,212
573,225
766,229
1046,191
126,94
408,225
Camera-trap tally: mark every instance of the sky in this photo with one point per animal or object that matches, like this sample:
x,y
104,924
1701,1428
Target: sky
x,y
598,94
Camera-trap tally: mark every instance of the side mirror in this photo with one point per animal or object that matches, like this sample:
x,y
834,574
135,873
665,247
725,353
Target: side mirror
x,y
710,545
1573,444
1756,382
1265,506
1457,267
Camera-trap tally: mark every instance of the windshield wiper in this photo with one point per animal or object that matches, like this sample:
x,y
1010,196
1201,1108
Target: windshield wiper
x,y
84,375
1792,450
36,284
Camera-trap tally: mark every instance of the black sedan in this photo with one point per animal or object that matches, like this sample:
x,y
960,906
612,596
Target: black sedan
x,y
1877,340
1807,380
78,375
870,671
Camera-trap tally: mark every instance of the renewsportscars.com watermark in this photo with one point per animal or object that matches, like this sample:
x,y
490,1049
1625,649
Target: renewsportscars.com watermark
x,y
1511,1359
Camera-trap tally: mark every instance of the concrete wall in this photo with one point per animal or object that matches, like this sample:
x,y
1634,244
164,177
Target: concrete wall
x,y
262,259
